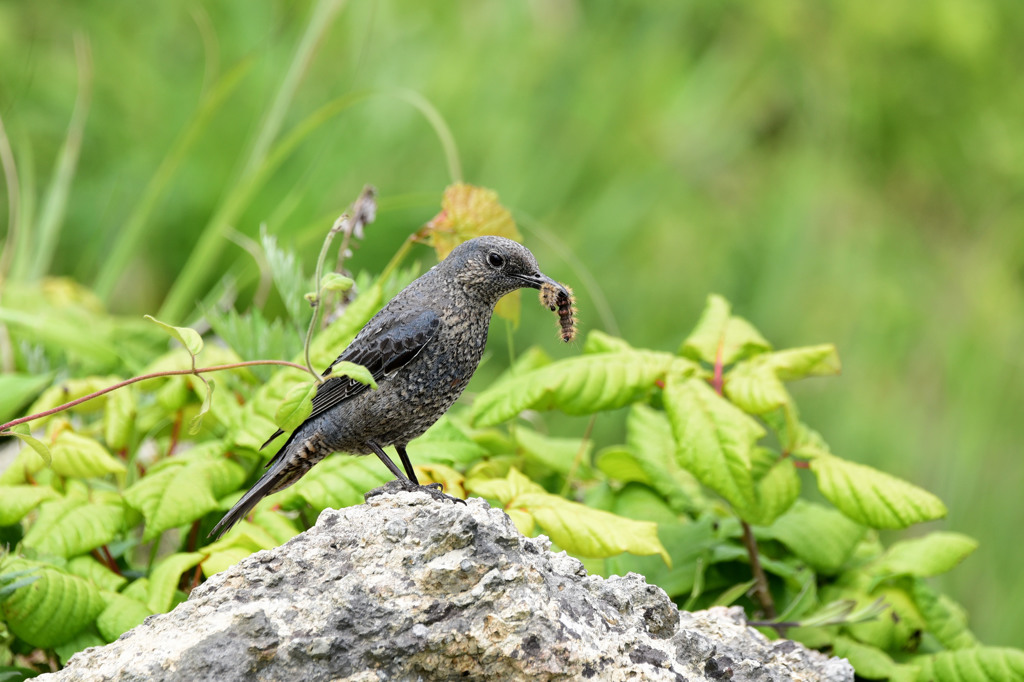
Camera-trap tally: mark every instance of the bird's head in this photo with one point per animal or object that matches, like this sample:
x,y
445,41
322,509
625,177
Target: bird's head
x,y
490,267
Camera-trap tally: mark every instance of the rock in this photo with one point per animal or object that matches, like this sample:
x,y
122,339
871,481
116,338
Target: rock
x,y
404,587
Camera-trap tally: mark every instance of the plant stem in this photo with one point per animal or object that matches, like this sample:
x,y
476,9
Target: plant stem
x,y
127,382
764,596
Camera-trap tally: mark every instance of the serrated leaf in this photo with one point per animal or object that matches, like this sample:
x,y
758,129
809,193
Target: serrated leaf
x,y
333,281
19,500
34,443
87,567
164,578
806,361
971,665
926,556
277,525
896,626
754,388
714,439
599,342
467,212
196,422
354,372
944,618
80,642
291,283
722,337
70,527
870,496
121,615
296,407
523,521
181,491
686,542
649,437
119,419
188,337
338,481
822,537
340,333
52,609
588,532
559,454
450,479
77,456
73,389
579,385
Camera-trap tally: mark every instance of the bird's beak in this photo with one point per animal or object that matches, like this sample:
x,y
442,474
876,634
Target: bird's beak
x,y
535,281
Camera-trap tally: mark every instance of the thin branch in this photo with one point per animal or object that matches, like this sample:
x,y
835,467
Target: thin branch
x,y
764,595
4,428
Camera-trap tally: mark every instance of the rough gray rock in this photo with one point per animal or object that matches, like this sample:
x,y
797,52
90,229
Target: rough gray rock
x,y
405,587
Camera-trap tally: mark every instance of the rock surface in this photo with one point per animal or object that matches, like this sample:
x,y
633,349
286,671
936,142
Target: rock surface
x,y
404,587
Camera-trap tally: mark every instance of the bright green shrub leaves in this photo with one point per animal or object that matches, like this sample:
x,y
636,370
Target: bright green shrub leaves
x,y
722,337
71,526
714,439
573,527
19,500
933,554
870,496
53,608
580,385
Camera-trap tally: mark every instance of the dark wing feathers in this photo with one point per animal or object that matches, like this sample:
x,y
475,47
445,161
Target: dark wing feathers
x,y
390,346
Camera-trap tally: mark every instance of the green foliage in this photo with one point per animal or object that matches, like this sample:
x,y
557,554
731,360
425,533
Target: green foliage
x,y
111,508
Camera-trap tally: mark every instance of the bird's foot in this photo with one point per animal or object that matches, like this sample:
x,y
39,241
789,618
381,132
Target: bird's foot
x,y
398,484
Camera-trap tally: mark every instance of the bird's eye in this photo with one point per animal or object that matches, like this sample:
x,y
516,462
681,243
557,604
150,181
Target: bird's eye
x,y
495,259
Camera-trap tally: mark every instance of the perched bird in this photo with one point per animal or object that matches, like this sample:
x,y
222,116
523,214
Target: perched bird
x,y
422,348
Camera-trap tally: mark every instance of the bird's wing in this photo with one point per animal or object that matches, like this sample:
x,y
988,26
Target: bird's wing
x,y
383,347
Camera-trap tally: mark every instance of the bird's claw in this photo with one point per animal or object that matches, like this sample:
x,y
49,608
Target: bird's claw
x,y
435,491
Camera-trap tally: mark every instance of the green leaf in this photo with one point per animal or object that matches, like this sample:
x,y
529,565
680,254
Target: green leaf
x,y
775,492
714,439
297,407
16,390
163,581
87,567
119,419
590,532
339,333
189,338
291,283
686,542
649,437
869,496
574,527
797,363
445,443
722,337
196,422
558,454
70,527
333,281
21,432
599,342
355,372
121,615
971,665
944,618
338,481
51,610
77,456
926,556
870,662
80,642
19,500
754,387
579,385
822,537
621,464
181,491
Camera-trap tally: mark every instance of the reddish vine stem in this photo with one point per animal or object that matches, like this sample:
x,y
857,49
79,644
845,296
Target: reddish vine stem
x,y
4,428
764,595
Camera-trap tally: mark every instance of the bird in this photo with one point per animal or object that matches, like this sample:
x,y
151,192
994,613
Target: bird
x,y
422,348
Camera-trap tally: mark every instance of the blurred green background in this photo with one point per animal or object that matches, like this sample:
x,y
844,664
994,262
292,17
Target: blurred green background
x,y
846,172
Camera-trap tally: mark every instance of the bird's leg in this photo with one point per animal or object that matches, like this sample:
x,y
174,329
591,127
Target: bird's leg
x,y
407,464
408,482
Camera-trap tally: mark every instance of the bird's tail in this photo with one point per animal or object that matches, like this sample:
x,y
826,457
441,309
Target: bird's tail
x,y
280,475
